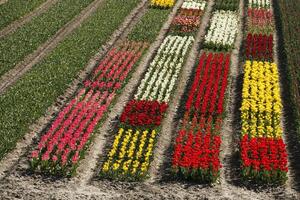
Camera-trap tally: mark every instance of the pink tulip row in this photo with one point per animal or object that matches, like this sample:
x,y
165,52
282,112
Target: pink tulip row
x,y
64,143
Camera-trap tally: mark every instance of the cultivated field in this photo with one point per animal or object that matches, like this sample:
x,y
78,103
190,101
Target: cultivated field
x,y
149,99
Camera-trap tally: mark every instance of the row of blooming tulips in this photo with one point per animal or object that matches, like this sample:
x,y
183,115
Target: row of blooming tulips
x,y
131,153
188,19
162,3
64,143
259,47
259,4
222,31
260,21
197,146
263,152
163,71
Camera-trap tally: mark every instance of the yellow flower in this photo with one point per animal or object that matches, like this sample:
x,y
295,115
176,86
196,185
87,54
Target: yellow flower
x,y
261,102
163,3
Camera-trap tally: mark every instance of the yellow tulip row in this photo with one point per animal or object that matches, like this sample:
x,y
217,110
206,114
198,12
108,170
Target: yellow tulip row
x,y
261,102
163,3
130,153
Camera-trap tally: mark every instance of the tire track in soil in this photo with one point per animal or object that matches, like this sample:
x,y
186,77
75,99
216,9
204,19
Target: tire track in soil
x,y
163,153
44,49
230,172
27,18
15,162
289,135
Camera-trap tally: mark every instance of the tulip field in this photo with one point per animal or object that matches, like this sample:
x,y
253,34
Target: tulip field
x,y
140,99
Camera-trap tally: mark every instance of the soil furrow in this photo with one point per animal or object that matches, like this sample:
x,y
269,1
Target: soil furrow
x,y
10,162
27,18
14,74
162,154
229,133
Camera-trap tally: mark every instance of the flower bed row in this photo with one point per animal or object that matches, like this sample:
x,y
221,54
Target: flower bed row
x,y
162,3
259,47
188,19
263,152
260,21
131,153
259,4
163,71
64,143
232,5
197,147
222,31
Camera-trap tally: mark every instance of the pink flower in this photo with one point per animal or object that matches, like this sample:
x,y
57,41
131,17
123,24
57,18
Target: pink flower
x,y
45,156
54,158
35,154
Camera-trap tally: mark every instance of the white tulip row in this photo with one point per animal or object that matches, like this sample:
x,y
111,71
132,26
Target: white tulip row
x,y
223,28
194,5
163,71
259,3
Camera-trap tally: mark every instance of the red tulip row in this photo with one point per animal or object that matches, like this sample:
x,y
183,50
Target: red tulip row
x,y
259,47
197,147
64,143
208,89
264,159
143,113
260,21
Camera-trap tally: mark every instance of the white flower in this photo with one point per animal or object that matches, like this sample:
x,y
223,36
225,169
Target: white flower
x,y
196,5
163,71
223,28
259,3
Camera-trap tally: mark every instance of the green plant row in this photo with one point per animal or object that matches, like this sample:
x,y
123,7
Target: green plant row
x,y
149,25
29,98
232,5
15,47
14,9
290,25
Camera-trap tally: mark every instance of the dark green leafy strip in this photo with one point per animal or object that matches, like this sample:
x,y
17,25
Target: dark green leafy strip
x,y
14,48
30,97
287,14
149,25
232,5
14,9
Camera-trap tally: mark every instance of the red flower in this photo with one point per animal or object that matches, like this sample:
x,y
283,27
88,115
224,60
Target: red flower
x,y
143,113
